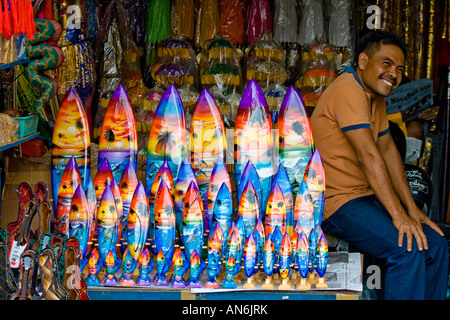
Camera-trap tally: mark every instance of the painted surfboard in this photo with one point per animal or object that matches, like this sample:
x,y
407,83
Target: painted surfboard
x,y
322,255
118,134
260,238
107,225
296,143
268,255
285,257
101,179
233,245
91,199
185,177
167,137
249,208
315,179
70,138
223,211
276,211
277,238
127,187
119,206
207,140
164,174
302,254
282,178
253,138
192,222
219,176
80,219
304,208
137,222
250,256
70,180
239,226
164,221
251,174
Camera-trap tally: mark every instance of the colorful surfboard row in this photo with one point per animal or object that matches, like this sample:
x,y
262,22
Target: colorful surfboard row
x,y
262,195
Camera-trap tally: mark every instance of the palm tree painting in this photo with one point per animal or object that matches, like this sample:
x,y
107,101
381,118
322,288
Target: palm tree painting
x,y
165,140
110,138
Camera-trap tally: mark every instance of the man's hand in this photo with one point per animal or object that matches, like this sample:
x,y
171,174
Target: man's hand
x,y
411,225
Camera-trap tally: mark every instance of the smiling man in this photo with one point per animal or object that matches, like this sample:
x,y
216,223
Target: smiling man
x,y
368,201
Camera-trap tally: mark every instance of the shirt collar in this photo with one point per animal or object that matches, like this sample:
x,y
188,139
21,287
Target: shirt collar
x,y
352,71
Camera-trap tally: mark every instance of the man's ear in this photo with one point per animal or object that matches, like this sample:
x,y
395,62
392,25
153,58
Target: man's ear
x,y
362,60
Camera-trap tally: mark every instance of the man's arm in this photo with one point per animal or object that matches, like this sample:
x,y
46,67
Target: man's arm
x,y
378,176
394,163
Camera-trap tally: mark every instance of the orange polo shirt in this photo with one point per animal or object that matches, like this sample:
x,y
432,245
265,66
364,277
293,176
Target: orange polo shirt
x,y
345,105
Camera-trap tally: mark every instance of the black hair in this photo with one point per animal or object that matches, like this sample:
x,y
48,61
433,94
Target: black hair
x,y
371,41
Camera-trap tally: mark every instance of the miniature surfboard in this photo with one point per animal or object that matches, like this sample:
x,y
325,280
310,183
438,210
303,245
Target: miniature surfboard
x,y
208,140
107,225
302,254
282,178
70,180
276,211
253,139
250,256
70,138
192,226
219,175
268,255
223,211
79,219
315,179
167,138
285,254
101,179
251,174
304,208
137,222
296,143
164,174
164,221
322,255
185,177
119,206
91,199
127,187
118,134
249,208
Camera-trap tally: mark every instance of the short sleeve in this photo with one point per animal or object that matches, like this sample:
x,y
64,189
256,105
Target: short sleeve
x,y
351,108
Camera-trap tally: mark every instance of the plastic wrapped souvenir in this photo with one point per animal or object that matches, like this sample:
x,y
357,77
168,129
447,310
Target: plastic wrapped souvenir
x,y
220,66
311,27
285,21
259,19
183,12
318,70
158,21
264,61
232,21
339,26
207,25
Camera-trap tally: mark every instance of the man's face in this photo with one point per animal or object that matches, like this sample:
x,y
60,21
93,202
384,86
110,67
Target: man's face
x,y
382,72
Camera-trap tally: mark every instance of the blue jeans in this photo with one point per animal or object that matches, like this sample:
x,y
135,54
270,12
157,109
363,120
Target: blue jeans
x,y
365,224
